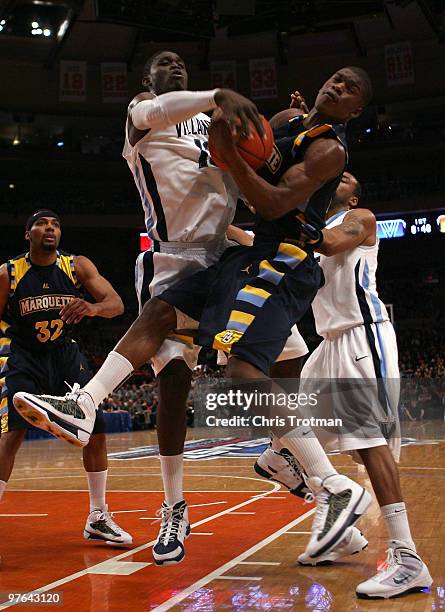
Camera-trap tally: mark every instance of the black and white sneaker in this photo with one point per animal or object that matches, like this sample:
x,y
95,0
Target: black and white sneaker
x,y
70,418
282,467
101,526
352,543
175,527
340,503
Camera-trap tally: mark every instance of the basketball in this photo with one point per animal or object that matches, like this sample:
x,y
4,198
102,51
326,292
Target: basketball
x,y
254,150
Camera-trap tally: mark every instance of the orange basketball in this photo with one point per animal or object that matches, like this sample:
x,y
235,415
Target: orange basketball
x,y
254,150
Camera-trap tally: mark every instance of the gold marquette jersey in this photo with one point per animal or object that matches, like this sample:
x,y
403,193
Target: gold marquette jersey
x,y
37,294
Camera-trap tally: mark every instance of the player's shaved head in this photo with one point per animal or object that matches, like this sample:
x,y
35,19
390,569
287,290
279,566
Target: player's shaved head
x,y
164,71
364,82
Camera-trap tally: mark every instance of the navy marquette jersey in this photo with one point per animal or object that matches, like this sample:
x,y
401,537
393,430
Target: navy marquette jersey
x,y
37,294
291,141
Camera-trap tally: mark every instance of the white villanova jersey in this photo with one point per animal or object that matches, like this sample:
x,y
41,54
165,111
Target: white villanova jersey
x,y
349,296
185,197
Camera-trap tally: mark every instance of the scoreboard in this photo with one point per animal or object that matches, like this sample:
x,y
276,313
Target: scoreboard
x,y
411,225
398,225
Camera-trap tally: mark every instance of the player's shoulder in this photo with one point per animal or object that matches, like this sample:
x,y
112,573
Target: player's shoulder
x,y
362,214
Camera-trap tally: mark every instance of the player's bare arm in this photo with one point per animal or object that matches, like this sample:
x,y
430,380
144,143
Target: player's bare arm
x,y
324,160
4,288
239,235
108,303
358,228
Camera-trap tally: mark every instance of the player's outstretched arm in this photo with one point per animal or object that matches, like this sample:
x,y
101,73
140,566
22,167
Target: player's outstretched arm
x,y
108,303
358,227
324,160
147,111
4,288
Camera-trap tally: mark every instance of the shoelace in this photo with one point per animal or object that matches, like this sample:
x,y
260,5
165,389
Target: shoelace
x,y
388,563
321,498
108,518
170,520
73,392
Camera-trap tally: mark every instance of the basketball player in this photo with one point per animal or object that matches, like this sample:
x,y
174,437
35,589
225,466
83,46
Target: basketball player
x,y
359,342
188,204
275,281
40,295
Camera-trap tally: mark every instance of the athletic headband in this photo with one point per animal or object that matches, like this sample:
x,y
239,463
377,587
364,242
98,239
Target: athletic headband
x,y
38,215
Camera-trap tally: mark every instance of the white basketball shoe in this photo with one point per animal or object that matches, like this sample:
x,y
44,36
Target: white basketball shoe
x,y
70,418
340,503
352,543
403,572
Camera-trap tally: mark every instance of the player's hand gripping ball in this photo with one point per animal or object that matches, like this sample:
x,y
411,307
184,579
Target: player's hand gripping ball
x,y
255,150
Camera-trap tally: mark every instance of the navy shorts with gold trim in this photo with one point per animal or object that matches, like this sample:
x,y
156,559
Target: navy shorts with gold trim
x,y
248,302
39,373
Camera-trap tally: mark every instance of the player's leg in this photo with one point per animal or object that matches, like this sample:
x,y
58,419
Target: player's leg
x,y
10,442
173,362
276,462
18,372
405,571
340,501
69,366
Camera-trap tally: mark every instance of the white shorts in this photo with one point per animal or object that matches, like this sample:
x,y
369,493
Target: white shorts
x,y
294,347
367,352
157,271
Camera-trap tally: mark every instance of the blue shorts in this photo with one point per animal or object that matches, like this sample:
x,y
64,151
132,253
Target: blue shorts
x,y
248,302
42,373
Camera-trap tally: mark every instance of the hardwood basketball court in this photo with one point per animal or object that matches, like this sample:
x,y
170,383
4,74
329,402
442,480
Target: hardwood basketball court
x,y
246,534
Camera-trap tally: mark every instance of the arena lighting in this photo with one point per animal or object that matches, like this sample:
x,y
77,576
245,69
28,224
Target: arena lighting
x,y
16,141
62,29
3,22
37,32
11,186
60,143
1,28
46,32
368,130
34,25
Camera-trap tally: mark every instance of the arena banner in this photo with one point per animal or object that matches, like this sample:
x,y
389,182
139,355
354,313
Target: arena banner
x,y
223,74
114,82
73,80
399,63
263,78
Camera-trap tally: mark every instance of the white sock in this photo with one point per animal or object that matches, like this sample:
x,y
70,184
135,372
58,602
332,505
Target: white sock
x,y
396,520
172,468
308,452
2,487
114,370
97,486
